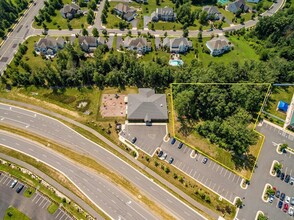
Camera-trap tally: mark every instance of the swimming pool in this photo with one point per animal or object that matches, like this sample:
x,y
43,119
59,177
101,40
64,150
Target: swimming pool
x,y
223,2
175,62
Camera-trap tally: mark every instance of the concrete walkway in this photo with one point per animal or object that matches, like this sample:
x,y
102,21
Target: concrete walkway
x,y
118,149
55,184
290,113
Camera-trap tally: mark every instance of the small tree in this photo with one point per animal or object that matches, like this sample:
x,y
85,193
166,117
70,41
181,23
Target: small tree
x,y
239,203
85,32
283,147
185,32
95,32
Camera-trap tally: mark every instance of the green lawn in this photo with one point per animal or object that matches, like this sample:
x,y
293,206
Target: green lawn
x,y
283,93
14,214
52,208
241,52
58,22
29,192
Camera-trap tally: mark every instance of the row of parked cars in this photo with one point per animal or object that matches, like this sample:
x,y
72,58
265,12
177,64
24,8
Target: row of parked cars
x,y
162,156
285,177
284,203
19,188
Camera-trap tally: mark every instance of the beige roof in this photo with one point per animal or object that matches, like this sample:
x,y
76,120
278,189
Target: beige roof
x,y
123,8
217,43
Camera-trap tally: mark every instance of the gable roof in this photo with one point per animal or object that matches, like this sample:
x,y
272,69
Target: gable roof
x,y
87,40
135,42
217,43
239,4
46,42
165,11
147,106
123,8
211,10
67,8
181,41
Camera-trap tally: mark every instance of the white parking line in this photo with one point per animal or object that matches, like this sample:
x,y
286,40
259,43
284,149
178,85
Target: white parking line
x,y
35,197
5,178
38,200
214,186
195,173
233,178
7,182
217,168
286,170
58,213
198,176
190,172
209,164
202,179
218,189
213,165
45,204
62,216
221,171
44,200
229,175
226,172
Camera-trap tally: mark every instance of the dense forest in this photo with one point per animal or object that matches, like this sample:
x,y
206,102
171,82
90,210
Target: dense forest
x,y
273,37
220,113
9,12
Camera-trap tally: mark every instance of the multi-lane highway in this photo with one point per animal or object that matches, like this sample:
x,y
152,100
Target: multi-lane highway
x,y
103,193
57,131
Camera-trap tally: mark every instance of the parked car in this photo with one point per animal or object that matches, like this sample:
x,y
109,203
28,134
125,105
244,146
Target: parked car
x,y
287,178
287,200
282,197
280,204
12,185
163,157
291,211
279,173
292,201
282,176
134,139
19,188
271,199
173,141
170,161
160,153
204,160
180,145
286,207
278,193
275,189
291,180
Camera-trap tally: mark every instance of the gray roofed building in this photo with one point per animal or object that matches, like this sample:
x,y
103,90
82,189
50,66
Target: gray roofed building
x,y
125,11
177,45
140,44
88,43
69,10
164,14
218,46
147,106
237,5
212,12
49,45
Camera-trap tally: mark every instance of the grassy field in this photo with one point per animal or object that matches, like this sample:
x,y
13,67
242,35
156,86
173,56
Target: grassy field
x,y
29,192
242,51
14,214
188,185
284,93
58,22
52,208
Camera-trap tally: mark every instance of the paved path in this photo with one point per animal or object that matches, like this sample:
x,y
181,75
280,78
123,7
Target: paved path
x,y
53,183
118,149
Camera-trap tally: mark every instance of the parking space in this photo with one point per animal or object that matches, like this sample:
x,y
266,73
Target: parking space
x,y
149,138
34,207
212,175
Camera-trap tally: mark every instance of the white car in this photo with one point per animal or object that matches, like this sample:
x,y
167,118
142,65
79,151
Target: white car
x,y
287,200
13,184
291,211
271,199
163,157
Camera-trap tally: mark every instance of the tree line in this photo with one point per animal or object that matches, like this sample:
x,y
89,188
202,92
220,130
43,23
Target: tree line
x,y
9,13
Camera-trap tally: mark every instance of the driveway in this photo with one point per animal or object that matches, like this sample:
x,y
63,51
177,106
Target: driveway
x,y
212,175
261,176
119,42
146,21
110,41
149,138
34,207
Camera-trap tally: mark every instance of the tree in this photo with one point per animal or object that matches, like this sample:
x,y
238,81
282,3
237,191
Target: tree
x,y
239,203
104,19
242,20
92,5
219,26
157,2
203,17
185,32
199,37
90,17
85,32
95,32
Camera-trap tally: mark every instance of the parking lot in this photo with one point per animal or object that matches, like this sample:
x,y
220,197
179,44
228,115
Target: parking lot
x,y
149,138
212,175
34,207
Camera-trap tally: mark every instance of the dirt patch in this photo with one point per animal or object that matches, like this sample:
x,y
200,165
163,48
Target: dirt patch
x,y
113,105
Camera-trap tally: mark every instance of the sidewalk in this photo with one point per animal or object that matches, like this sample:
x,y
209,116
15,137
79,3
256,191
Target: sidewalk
x,y
118,149
55,184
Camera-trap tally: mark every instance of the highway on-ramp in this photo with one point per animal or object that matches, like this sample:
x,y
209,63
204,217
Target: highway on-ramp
x,y
53,129
103,193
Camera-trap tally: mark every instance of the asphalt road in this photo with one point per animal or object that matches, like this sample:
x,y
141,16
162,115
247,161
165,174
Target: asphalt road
x,y
261,176
105,194
53,129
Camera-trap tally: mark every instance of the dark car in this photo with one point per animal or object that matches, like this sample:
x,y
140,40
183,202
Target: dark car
x,y
134,139
204,160
280,204
278,193
279,173
160,153
173,141
19,188
171,160
180,145
287,178
282,196
282,176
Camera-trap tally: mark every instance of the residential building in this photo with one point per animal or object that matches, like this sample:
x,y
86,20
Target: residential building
x,y
88,43
218,46
49,46
147,106
125,11
212,12
237,5
177,45
140,44
163,14
70,10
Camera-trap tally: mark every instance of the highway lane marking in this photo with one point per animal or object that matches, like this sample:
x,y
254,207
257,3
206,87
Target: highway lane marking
x,y
20,122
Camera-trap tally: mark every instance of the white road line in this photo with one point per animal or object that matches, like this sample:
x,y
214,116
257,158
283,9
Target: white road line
x,y
234,176
45,204
38,200
221,171
230,175
217,168
35,197
195,173
213,165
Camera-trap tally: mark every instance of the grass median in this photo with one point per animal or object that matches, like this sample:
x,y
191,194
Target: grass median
x,y
14,214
